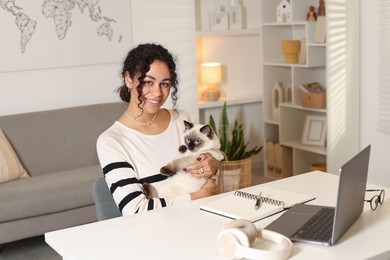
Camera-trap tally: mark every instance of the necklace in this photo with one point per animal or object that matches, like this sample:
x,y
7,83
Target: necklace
x,y
139,122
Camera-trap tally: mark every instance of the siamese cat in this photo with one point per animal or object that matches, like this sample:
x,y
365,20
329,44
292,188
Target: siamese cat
x,y
198,139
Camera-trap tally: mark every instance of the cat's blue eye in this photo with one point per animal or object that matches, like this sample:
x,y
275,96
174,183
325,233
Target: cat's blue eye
x,y
197,141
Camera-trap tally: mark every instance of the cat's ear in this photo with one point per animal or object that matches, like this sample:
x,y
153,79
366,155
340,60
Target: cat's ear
x,y
207,131
188,125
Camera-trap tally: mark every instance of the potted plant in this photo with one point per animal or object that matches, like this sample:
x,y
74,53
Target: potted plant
x,y
236,169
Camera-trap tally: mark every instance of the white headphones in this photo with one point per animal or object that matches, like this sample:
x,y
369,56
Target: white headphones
x,y
235,241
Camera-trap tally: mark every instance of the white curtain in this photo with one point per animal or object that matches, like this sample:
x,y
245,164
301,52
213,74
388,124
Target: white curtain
x,y
343,88
384,66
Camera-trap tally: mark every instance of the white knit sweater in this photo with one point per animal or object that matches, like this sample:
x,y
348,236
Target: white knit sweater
x,y
129,158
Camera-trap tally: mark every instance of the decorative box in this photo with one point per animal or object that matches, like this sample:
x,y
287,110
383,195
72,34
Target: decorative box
x,y
279,160
314,100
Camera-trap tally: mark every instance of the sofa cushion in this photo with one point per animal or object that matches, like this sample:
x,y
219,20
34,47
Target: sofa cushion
x,y
47,193
10,166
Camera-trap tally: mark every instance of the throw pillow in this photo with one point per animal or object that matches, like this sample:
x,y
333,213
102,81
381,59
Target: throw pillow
x,y
10,166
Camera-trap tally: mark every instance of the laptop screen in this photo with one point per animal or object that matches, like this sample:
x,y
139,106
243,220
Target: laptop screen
x,y
352,187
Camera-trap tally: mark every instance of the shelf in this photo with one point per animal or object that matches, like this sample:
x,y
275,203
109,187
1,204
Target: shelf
x,y
281,64
270,121
288,104
317,45
230,101
313,149
273,34
284,24
243,32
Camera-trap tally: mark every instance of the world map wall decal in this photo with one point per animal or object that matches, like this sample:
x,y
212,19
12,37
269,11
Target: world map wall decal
x,y
55,33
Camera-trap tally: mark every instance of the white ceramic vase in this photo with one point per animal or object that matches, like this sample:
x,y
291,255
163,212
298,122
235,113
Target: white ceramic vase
x,y
277,98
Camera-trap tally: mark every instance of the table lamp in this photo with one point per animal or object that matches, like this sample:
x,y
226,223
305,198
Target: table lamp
x,y
211,75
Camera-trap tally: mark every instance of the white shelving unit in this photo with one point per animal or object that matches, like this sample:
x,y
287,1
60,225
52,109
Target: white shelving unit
x,y
287,131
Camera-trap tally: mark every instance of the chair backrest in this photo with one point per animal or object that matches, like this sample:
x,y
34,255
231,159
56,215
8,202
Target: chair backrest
x,y
106,207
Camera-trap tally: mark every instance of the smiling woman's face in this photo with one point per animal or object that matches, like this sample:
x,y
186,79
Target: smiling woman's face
x,y
155,90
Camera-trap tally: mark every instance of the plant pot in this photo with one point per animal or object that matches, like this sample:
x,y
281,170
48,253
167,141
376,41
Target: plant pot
x,y
235,174
291,48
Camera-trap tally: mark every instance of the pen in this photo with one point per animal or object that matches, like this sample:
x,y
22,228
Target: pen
x,y
258,201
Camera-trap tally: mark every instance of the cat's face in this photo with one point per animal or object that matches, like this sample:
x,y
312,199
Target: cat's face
x,y
198,138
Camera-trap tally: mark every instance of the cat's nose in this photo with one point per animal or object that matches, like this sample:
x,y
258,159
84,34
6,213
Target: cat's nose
x,y
182,148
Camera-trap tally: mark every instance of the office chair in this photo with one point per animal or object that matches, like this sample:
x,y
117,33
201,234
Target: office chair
x,y
106,207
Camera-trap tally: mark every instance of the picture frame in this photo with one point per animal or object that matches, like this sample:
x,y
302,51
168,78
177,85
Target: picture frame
x,y
314,131
219,21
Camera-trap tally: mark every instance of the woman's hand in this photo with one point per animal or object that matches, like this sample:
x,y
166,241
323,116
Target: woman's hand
x,y
206,167
208,189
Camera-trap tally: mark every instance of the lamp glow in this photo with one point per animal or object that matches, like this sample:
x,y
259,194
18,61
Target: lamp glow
x,y
211,76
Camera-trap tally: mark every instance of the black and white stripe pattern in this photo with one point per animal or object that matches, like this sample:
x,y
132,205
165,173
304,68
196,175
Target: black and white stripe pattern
x,y
133,184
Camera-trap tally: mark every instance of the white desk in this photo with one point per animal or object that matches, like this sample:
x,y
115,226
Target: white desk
x,y
185,232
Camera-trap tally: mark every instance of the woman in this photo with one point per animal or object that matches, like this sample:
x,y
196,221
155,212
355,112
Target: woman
x,y
146,137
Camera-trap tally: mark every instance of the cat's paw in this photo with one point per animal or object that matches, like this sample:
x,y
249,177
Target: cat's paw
x,y
167,171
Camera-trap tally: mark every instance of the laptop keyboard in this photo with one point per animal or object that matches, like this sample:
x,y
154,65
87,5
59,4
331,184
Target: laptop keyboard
x,y
318,228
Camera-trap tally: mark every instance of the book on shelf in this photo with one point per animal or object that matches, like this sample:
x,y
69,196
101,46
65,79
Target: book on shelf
x,y
320,33
241,204
302,53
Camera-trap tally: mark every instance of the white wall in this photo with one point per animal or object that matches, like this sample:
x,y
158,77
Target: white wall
x,y
45,89
37,90
379,172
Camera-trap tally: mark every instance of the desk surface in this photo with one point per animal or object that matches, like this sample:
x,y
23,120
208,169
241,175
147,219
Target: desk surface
x,y
186,232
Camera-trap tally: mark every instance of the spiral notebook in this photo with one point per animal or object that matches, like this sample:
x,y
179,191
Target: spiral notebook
x,y
241,204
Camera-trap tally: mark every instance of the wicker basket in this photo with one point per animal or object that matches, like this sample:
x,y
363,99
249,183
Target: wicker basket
x,y
235,174
314,100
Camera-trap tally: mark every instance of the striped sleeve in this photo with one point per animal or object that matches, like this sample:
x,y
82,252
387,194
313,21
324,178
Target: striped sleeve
x,y
124,184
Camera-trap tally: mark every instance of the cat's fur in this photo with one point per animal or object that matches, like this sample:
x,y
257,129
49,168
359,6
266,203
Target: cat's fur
x,y
198,139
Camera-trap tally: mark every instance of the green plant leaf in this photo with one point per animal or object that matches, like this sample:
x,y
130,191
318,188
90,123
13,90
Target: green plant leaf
x,y
212,124
233,143
224,129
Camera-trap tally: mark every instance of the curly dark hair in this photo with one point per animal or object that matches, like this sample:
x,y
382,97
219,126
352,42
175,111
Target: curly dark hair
x,y
138,60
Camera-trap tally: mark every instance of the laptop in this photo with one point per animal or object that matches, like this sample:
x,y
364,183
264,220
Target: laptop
x,y
298,222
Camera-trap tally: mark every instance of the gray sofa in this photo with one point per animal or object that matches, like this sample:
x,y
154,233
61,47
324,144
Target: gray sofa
x,y
58,149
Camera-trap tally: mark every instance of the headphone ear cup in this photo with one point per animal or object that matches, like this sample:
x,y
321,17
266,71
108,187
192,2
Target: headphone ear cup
x,y
246,226
235,242
230,242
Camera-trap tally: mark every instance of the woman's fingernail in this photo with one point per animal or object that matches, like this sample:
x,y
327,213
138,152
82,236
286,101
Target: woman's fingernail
x,y
185,169
198,159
